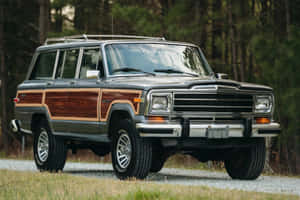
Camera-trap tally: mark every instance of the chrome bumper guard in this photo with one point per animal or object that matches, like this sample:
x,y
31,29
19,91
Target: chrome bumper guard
x,y
213,131
15,126
159,130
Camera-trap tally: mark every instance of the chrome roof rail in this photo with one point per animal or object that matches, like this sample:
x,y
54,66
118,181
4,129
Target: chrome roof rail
x,y
84,37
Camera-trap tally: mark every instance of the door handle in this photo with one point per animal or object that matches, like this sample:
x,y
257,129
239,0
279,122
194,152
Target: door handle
x,y
49,83
72,82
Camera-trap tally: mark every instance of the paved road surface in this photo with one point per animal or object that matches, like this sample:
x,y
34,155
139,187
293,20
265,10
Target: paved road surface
x,y
270,184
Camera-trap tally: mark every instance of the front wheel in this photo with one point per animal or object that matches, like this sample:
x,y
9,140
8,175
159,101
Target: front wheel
x,y
50,152
247,163
131,155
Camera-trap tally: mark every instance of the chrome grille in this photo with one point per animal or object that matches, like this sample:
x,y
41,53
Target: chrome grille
x,y
212,102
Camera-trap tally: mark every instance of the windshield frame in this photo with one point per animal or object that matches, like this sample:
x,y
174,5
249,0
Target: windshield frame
x,y
202,57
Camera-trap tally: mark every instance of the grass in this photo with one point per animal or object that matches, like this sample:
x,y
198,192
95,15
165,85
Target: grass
x,y
29,185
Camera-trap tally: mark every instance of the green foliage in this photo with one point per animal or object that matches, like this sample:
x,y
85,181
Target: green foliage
x,y
146,22
279,65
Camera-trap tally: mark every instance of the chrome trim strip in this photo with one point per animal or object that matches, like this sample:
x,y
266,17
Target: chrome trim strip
x,y
176,129
56,63
256,127
79,60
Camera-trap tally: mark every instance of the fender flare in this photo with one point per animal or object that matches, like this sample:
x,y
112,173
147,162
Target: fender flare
x,y
124,107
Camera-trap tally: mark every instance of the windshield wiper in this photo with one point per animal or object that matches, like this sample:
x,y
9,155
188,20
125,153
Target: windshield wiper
x,y
129,69
170,71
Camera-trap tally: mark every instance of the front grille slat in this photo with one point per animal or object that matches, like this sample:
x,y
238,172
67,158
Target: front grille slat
x,y
194,102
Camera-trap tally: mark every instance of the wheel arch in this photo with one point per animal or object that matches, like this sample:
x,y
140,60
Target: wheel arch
x,y
118,112
37,117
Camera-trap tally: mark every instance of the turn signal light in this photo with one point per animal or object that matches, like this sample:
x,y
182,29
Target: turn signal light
x,y
137,100
262,120
156,119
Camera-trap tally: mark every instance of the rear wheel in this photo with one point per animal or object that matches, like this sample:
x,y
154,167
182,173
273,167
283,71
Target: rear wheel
x,y
247,163
131,155
50,152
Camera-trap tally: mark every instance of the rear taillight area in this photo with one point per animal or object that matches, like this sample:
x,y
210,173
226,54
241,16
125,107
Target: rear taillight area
x,y
16,100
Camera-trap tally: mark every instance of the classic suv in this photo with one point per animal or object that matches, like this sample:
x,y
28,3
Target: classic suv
x,y
142,99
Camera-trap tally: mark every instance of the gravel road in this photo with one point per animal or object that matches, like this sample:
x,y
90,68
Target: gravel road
x,y
269,184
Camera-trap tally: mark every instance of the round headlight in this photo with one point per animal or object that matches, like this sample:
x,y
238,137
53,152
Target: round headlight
x,y
263,104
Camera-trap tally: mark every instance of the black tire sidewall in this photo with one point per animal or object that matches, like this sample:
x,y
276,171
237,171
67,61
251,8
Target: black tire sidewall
x,y
127,126
141,152
252,165
42,165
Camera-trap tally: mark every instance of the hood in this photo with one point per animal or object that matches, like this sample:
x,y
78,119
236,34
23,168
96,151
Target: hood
x,y
178,82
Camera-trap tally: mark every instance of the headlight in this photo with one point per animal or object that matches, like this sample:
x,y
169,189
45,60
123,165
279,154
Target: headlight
x,y
160,103
263,104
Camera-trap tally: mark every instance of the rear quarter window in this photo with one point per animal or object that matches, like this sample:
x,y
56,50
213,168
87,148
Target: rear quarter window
x,y
43,68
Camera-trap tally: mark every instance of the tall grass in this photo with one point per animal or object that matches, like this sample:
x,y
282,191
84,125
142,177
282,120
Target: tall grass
x,y
32,186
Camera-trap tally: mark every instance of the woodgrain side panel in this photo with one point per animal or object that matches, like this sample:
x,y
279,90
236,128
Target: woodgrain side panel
x,y
72,104
109,97
30,98
84,104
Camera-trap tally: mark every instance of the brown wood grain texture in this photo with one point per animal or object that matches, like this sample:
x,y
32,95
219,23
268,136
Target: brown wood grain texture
x,y
110,97
30,98
81,104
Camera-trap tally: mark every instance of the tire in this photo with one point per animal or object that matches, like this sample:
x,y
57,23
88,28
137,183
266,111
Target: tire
x,y
157,165
158,160
53,157
137,151
247,163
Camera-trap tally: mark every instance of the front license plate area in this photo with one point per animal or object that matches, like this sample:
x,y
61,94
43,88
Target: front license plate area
x,y
217,133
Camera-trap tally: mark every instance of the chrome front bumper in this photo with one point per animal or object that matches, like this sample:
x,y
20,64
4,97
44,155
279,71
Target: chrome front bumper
x,y
201,130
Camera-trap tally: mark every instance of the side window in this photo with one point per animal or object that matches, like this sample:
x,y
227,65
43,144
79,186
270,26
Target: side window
x,y
66,67
91,60
44,66
69,67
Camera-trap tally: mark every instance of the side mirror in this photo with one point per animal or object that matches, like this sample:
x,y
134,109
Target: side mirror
x,y
92,74
222,76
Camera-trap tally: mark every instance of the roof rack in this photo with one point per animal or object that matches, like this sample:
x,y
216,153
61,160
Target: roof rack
x,y
85,37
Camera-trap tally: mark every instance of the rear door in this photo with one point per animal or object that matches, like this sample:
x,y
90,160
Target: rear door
x,y
57,96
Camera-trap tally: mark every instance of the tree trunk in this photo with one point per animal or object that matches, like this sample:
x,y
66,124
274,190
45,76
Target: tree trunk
x,y
3,75
58,24
203,12
287,16
232,40
44,19
216,33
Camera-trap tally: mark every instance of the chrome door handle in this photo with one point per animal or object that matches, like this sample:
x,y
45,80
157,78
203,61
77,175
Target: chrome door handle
x,y
49,83
72,82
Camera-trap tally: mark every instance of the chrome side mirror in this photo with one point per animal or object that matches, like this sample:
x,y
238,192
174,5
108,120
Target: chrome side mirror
x,y
222,76
92,74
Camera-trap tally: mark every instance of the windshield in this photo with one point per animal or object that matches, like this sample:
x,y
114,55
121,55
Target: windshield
x,y
155,59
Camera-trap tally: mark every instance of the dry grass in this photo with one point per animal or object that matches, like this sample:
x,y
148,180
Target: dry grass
x,y
28,185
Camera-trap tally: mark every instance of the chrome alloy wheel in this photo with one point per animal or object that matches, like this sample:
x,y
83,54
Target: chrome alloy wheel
x,y
43,146
124,149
